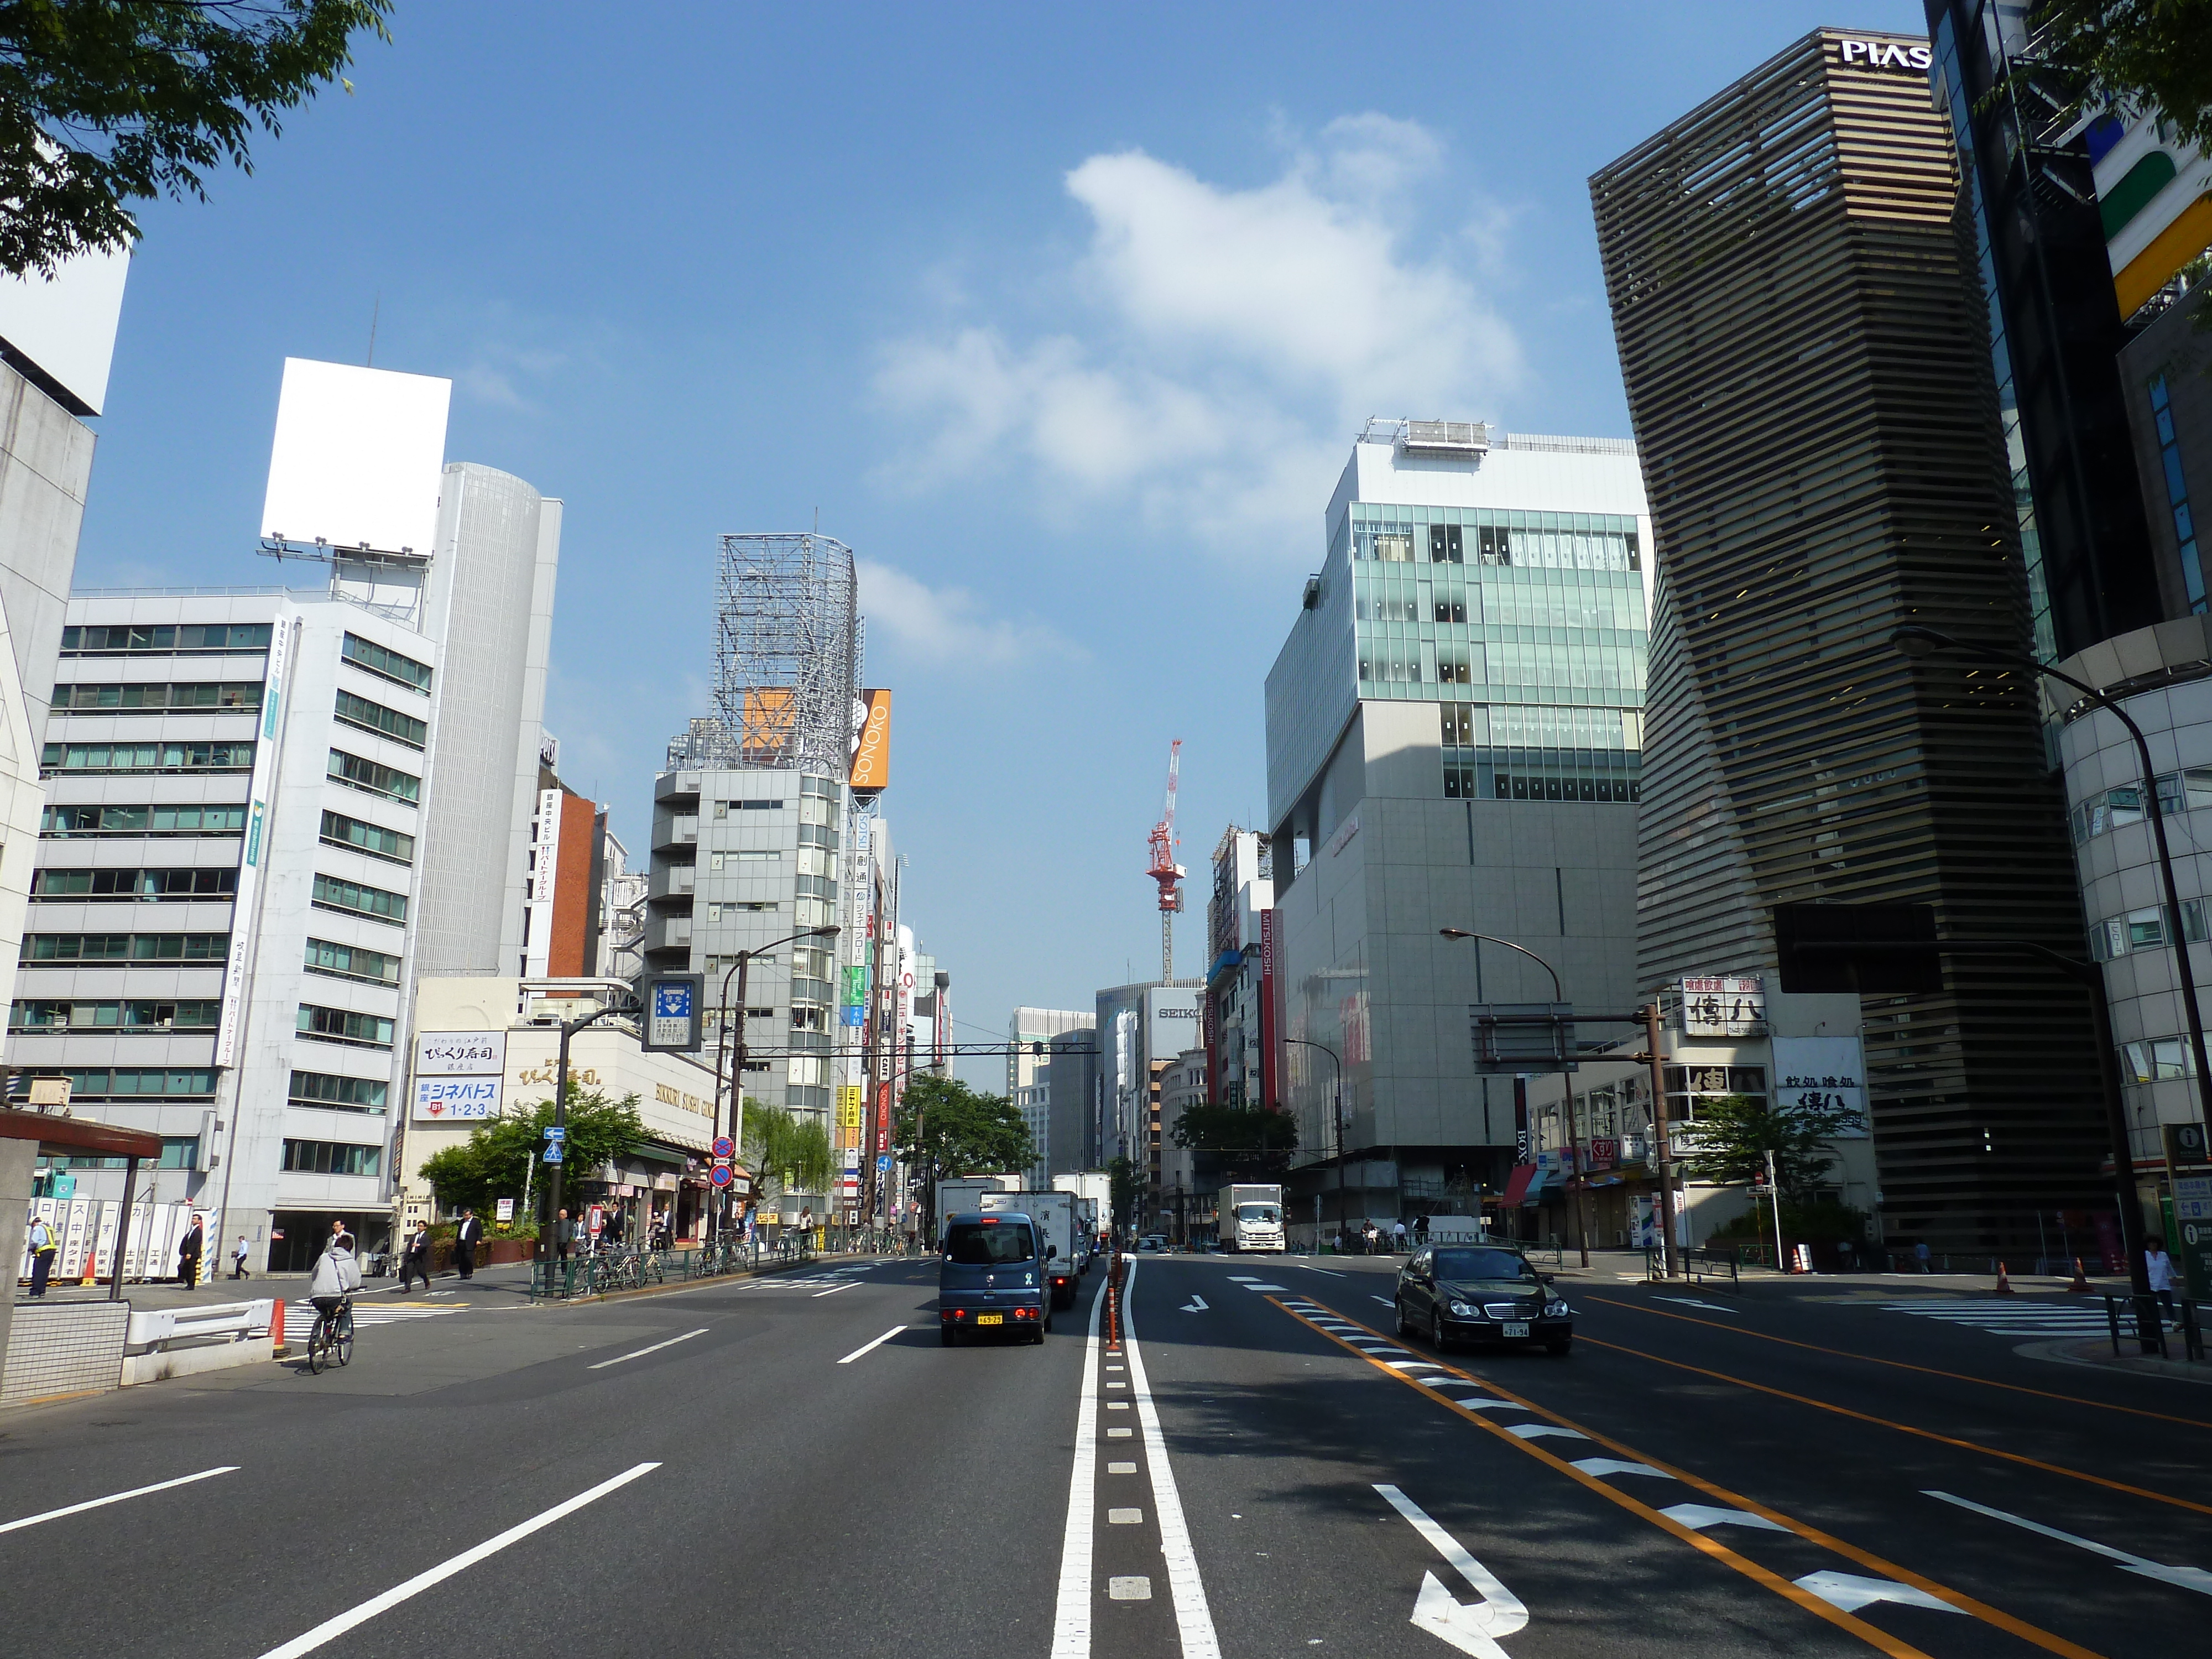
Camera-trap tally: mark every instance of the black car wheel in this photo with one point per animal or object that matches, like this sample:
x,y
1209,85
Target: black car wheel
x,y
1436,1338
1405,1325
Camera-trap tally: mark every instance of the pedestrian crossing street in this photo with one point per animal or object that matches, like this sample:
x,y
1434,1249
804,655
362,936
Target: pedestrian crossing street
x,y
2011,1318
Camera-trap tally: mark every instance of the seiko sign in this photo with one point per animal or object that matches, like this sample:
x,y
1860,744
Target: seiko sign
x,y
1884,54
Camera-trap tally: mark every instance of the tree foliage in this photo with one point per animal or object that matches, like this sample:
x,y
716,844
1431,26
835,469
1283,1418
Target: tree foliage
x,y
1728,1140
785,1153
1121,1190
2143,54
944,1128
104,102
497,1158
1239,1138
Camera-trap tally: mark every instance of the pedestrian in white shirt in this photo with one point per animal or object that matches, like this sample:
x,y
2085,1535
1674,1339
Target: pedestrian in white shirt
x,y
2157,1266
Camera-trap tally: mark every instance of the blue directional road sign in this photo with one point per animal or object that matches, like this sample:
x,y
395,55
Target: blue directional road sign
x,y
883,1163
556,1131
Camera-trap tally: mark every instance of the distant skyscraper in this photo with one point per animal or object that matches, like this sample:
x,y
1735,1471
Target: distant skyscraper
x,y
1793,290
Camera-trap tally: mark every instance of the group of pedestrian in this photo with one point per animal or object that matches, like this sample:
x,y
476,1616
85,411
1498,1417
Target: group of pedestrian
x,y
415,1251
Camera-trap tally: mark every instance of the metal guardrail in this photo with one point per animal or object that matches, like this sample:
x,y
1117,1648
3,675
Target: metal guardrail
x,y
596,1273
2139,1316
1699,1264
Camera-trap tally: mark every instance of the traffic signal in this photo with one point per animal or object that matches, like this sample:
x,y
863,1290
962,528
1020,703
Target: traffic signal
x,y
1818,948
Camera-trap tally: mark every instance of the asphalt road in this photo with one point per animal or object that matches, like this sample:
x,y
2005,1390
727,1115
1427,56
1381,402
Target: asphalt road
x,y
1258,1468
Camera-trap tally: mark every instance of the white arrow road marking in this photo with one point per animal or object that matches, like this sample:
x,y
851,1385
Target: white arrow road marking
x,y
1472,1629
1851,1592
1692,1302
1537,1431
1611,1465
1196,1305
1698,1516
2194,1579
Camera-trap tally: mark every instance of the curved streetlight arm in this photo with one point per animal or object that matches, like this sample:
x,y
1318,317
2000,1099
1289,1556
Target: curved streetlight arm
x,y
1558,996
1337,1113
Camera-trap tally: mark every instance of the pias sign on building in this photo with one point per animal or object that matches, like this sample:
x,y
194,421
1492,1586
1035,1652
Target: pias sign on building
x,y
1884,54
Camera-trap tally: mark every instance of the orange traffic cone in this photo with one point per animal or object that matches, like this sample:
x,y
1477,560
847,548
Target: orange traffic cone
x,y
91,1258
2080,1286
2004,1284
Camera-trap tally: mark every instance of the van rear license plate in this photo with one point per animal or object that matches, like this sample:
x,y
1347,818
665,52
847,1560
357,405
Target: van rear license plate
x,y
1000,1318
1516,1330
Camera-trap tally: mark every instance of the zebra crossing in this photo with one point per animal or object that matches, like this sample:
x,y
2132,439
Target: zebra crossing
x,y
2009,1317
386,1313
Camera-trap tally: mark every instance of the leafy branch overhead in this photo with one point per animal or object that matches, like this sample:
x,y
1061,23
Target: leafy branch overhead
x,y
105,102
1730,1139
949,1129
497,1158
2143,54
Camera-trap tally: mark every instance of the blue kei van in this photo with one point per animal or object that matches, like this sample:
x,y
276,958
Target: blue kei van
x,y
991,1279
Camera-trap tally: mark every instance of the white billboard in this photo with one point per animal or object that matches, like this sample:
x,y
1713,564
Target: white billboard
x,y
67,327
460,1053
357,458
455,1099
1172,1022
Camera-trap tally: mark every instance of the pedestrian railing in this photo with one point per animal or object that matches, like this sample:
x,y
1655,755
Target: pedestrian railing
x,y
2139,1318
597,1273
1699,1265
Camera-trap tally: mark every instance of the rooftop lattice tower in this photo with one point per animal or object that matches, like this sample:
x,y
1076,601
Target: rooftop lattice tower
x,y
785,647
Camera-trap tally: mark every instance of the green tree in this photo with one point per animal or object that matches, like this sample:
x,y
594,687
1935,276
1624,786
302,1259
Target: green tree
x,y
498,1156
1249,1139
785,1153
1121,1190
944,1128
103,102
2143,54
1730,1139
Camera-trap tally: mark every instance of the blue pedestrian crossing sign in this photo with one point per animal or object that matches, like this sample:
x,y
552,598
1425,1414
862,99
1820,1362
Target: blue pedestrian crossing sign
x,y
553,1152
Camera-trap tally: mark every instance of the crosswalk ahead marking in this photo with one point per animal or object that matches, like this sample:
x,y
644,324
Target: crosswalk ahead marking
x,y
389,1315
2009,1319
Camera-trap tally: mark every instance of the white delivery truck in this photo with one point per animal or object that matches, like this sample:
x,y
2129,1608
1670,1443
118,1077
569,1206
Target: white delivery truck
x,y
1057,1229
1095,1188
962,1195
1250,1218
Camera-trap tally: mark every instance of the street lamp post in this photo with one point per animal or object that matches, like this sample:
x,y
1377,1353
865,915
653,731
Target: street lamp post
x,y
1919,642
553,1181
1337,1094
739,968
1566,1087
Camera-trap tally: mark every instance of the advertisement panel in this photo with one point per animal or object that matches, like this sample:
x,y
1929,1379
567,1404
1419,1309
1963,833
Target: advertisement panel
x,y
872,742
1268,1097
1723,1005
460,1053
1813,1073
455,1099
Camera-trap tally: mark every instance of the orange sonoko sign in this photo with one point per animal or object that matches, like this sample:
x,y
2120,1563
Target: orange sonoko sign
x,y
871,748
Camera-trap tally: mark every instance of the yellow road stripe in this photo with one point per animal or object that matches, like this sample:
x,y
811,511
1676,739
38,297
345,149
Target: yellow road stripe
x,y
1750,1569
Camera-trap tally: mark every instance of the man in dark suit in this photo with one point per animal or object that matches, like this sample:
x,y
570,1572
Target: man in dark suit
x,y
189,1249
464,1243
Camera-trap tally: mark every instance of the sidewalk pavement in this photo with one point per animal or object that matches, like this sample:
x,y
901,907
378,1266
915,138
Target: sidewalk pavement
x,y
509,1280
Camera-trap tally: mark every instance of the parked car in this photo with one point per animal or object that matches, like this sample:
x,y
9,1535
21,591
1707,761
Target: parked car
x,y
1480,1293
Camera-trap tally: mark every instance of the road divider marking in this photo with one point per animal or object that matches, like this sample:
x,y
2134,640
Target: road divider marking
x,y
1851,1592
870,1348
1692,1301
117,1498
1071,1621
1194,1619
1904,1365
1283,1288
1125,1517
1120,1468
1906,1428
1243,1279
331,1629
1808,1598
641,1353
1310,1268
1538,1431
2194,1579
1130,1588
833,1289
1473,1630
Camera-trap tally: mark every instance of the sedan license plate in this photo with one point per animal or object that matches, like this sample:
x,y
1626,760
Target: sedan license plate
x,y
1000,1318
1516,1330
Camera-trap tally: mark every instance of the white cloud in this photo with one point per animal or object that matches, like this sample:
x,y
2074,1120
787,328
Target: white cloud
x,y
942,625
1232,341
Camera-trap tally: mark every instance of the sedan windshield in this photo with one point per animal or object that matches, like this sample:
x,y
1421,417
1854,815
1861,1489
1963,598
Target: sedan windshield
x,y
988,1243
1479,1265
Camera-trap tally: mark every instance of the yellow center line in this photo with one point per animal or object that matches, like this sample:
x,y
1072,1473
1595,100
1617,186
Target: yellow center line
x,y
1907,1428
1903,1365
1750,1569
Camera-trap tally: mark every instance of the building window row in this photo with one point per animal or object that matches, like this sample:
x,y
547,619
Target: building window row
x,y
359,711
1385,597
2177,493
2114,808
141,885
373,778
1487,782
737,860
2146,929
344,1025
241,695
817,834
1421,662
730,910
145,758
217,819
76,1014
130,1083
178,1153
352,962
1552,541
339,830
340,1158
351,897
334,1093
724,808
182,639
377,659
2156,1059
126,947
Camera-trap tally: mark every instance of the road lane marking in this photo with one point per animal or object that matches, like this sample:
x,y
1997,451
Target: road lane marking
x,y
1473,1630
1193,1620
1809,1600
1120,1468
641,1353
1243,1279
117,1497
1119,1434
1903,1365
1071,1622
1906,1428
1851,1592
1196,1305
1385,1300
871,1347
331,1629
1702,1515
2194,1579
1130,1589
1538,1431
833,1289
1125,1517
1310,1268
1611,1465
1692,1301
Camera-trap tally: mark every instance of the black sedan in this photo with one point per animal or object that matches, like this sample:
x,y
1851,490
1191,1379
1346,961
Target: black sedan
x,y
1480,1293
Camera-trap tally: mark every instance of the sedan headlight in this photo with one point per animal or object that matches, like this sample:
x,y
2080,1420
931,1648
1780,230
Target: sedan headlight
x,y
1460,1310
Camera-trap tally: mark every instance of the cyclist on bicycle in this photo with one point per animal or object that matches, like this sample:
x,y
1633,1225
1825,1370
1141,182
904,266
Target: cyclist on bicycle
x,y
336,1276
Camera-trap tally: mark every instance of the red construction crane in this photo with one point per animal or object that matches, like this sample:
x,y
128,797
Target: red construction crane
x,y
1165,871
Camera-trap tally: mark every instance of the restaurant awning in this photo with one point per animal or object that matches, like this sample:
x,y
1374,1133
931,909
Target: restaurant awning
x,y
1516,1184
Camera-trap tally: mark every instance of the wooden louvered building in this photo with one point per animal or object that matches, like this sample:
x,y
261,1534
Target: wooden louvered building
x,y
1802,335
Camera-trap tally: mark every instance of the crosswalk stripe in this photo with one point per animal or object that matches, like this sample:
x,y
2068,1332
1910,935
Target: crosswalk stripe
x,y
2017,1319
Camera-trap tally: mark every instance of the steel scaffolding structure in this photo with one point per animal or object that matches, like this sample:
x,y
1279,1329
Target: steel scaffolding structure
x,y
785,650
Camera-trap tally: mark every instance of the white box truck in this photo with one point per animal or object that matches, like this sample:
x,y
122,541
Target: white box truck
x,y
963,1194
1057,1227
1250,1218
1096,1188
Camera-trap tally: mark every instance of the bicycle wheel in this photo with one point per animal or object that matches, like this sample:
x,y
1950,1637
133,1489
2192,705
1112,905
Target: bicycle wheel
x,y
342,1338
318,1346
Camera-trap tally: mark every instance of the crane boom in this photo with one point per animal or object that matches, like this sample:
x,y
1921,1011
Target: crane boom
x,y
1164,869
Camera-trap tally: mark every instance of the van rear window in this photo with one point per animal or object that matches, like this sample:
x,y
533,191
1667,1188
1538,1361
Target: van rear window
x,y
973,1244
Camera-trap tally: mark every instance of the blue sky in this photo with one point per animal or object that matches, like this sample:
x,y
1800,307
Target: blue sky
x,y
1063,319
